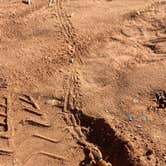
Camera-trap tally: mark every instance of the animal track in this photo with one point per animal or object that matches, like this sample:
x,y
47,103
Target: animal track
x,y
76,47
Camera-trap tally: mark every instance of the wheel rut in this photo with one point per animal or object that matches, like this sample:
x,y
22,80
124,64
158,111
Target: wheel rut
x,y
76,48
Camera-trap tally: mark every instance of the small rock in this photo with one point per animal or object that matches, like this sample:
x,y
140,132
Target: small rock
x,y
138,126
135,100
131,117
151,108
72,14
143,118
148,157
71,60
106,111
51,102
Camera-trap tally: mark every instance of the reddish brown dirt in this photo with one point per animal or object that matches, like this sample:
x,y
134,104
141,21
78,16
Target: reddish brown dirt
x,y
89,70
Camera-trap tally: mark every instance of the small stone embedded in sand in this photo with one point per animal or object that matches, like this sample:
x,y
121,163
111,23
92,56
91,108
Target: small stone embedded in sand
x,y
138,126
71,60
143,118
131,117
51,102
135,100
72,14
151,108
27,1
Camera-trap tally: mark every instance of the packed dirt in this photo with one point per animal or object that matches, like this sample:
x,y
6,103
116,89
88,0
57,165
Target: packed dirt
x,y
80,75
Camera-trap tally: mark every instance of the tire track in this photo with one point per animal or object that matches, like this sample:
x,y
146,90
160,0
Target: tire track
x,y
76,49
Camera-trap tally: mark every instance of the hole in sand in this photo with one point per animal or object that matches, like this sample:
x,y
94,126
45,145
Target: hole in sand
x,y
115,149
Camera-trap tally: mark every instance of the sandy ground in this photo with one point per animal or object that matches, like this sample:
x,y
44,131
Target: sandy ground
x,y
91,71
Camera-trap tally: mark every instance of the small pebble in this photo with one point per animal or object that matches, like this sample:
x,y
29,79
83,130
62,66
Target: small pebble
x,y
130,117
51,102
135,100
148,157
143,118
138,126
106,111
71,60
